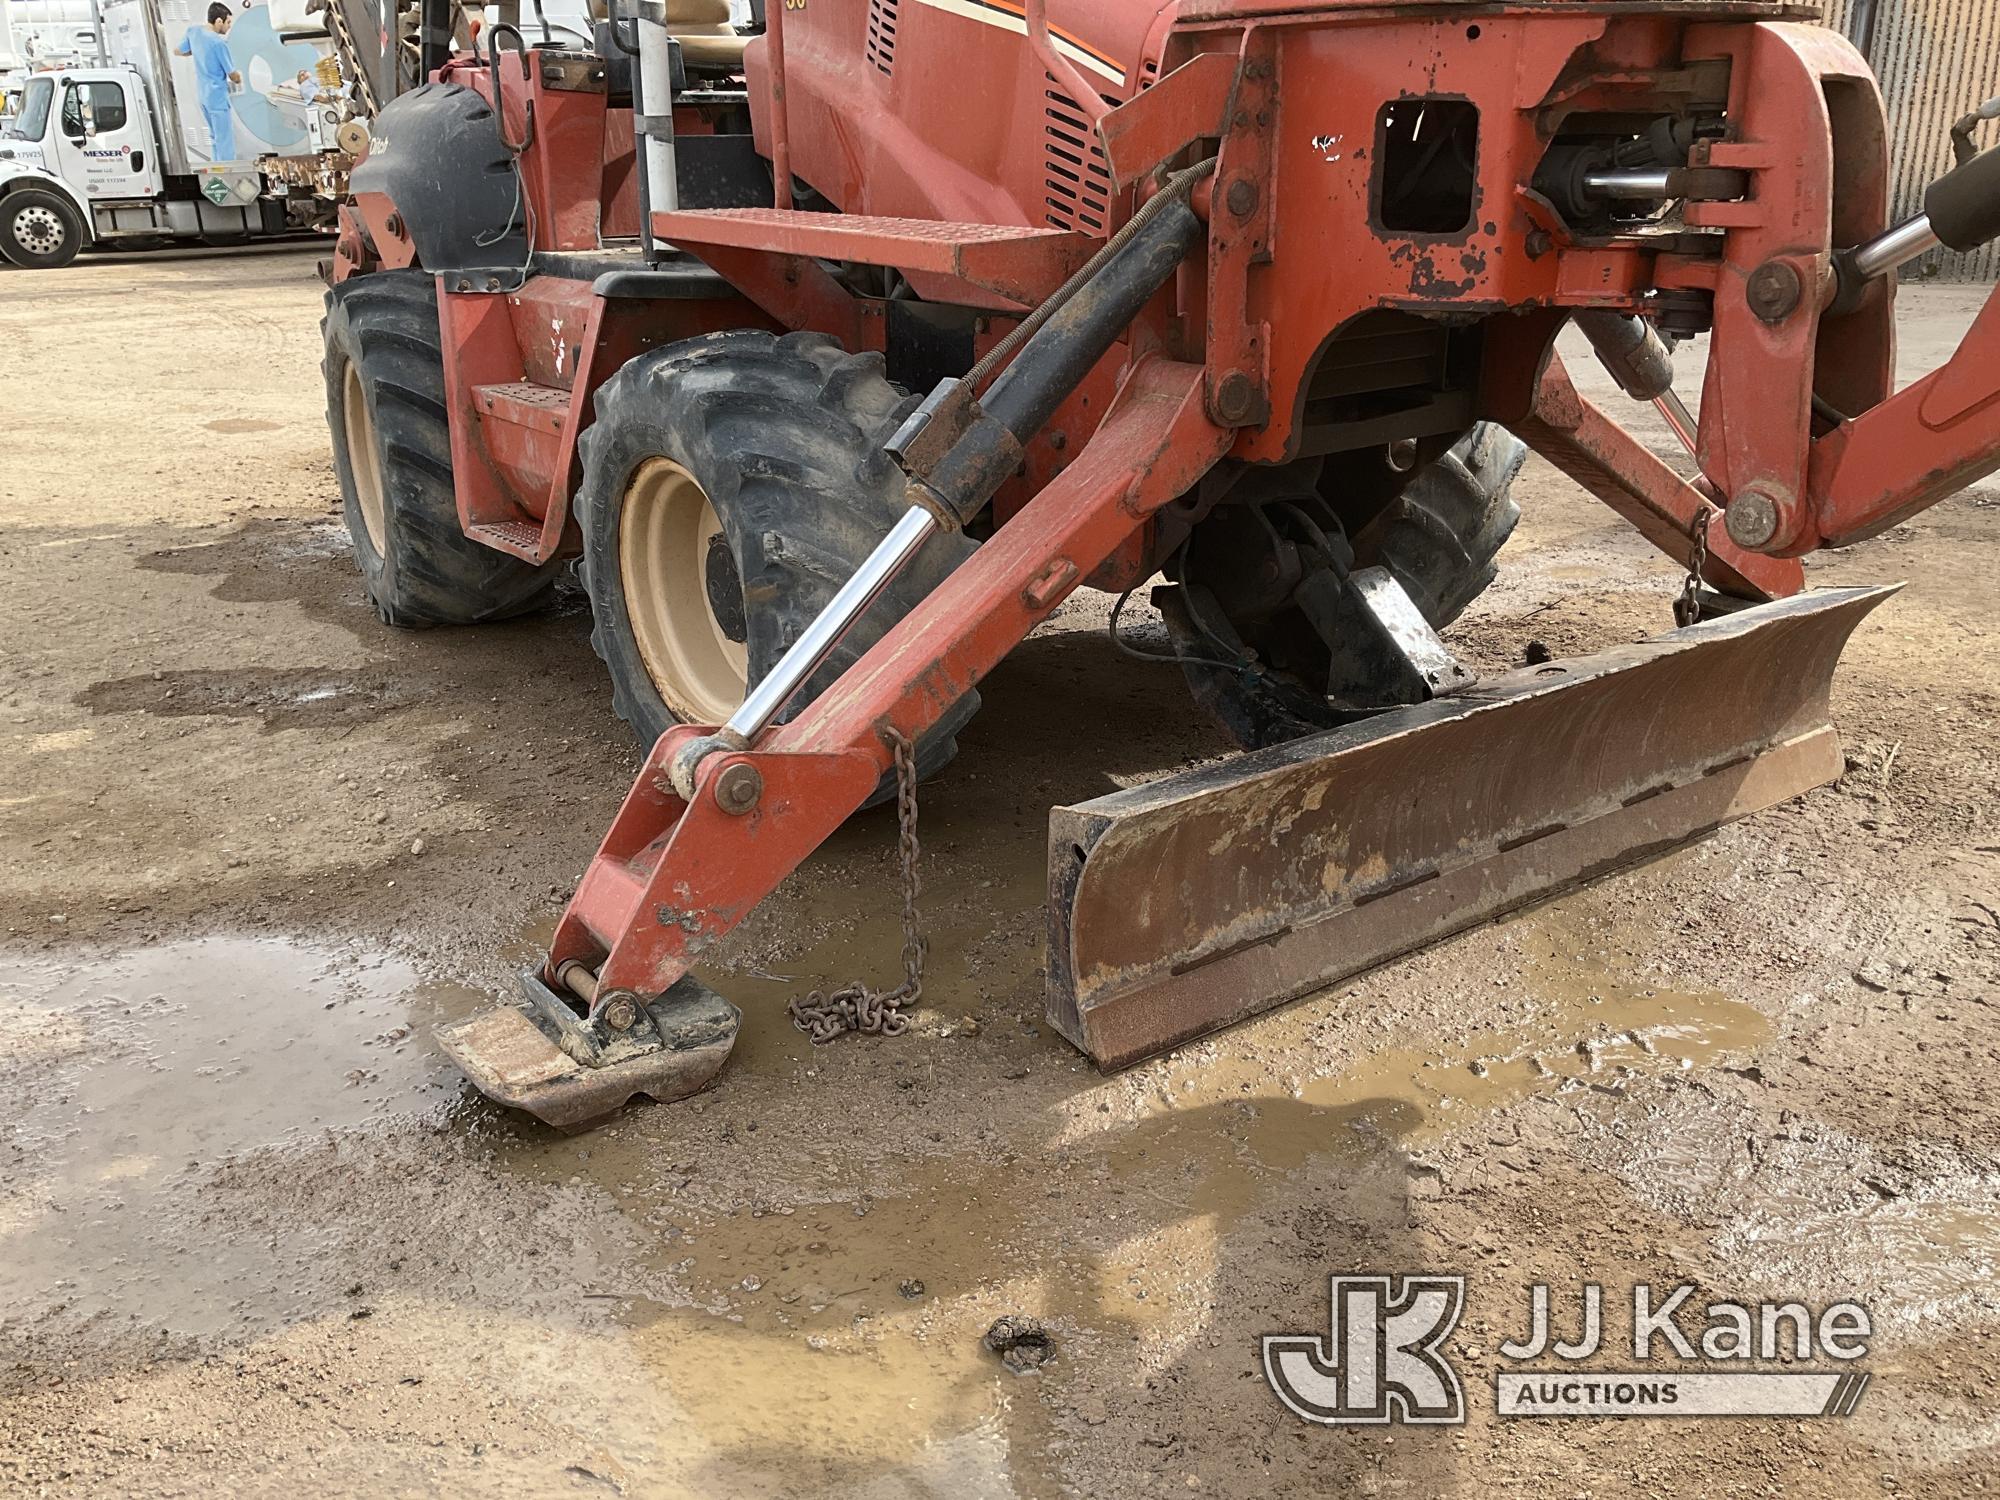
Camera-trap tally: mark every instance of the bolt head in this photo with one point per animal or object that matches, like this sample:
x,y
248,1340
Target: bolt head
x,y
1242,197
1751,518
620,1013
738,788
1233,397
1773,291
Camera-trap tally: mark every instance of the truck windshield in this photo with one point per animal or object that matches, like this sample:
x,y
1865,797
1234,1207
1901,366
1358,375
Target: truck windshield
x,y
34,116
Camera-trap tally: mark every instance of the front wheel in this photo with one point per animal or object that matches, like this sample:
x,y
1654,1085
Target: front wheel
x,y
731,484
39,230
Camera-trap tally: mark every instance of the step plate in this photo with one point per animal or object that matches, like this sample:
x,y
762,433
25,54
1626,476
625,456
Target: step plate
x,y
1206,897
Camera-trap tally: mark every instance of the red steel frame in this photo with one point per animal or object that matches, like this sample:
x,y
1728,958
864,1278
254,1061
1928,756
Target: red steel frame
x,y
1219,365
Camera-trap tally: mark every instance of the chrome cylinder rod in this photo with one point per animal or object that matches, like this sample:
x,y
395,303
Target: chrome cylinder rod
x,y
891,555
1894,247
1678,420
1638,359
656,91
1649,183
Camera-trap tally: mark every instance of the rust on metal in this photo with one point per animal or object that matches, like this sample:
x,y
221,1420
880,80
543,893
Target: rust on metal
x,y
1575,435
1191,903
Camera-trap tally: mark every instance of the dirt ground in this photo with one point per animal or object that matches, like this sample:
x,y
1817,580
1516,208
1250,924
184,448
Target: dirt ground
x,y
257,1238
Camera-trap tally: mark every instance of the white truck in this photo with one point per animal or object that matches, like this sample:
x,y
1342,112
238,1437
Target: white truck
x,y
122,152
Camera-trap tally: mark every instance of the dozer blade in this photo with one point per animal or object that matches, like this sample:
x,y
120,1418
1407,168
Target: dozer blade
x,y
1203,898
532,1056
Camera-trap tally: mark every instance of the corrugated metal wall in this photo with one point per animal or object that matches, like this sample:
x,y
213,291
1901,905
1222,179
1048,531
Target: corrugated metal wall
x,y
1936,59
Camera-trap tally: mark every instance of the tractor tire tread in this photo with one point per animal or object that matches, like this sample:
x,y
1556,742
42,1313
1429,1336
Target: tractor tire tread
x,y
1441,536
783,433
386,323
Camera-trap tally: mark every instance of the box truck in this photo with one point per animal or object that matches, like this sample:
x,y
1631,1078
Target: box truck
x,y
175,136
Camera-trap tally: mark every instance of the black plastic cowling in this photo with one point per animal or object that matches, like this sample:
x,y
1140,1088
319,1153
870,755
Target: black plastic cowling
x,y
1964,204
436,154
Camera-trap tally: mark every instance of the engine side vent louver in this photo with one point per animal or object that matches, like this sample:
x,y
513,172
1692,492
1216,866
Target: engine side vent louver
x,y
881,49
1077,179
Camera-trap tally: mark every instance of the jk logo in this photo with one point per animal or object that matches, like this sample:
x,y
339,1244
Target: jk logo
x,y
1381,1360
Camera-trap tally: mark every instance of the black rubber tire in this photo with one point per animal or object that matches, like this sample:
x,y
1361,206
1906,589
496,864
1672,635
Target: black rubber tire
x,y
427,571
784,435
1439,536
71,244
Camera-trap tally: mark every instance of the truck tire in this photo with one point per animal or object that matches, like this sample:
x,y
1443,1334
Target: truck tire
x,y
731,484
1439,536
39,230
385,403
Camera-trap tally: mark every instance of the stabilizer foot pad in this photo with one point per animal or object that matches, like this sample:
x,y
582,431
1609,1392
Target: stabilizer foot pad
x,y
514,1061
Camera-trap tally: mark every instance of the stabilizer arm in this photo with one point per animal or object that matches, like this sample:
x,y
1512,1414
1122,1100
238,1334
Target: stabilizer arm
x,y
674,875
1926,442
1571,432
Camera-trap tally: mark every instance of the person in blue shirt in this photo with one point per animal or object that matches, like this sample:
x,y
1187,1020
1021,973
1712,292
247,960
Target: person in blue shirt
x,y
214,72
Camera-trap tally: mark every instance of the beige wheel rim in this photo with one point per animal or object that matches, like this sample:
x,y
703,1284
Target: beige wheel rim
x,y
664,530
363,460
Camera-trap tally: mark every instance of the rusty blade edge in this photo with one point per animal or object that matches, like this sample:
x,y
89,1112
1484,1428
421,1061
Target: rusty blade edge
x,y
1121,1026
1168,938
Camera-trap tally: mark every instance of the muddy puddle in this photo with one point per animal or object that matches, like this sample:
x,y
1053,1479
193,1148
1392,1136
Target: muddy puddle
x,y
1578,1030
1920,1261
131,1074
830,1327
1112,1223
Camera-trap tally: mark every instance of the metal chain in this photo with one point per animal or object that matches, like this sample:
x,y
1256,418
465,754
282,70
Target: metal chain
x,y
856,1007
1687,608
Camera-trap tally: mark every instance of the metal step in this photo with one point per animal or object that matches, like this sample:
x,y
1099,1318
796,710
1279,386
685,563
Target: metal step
x,y
541,408
1020,262
521,538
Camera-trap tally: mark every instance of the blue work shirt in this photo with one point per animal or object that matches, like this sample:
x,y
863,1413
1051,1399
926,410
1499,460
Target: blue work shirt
x,y
212,65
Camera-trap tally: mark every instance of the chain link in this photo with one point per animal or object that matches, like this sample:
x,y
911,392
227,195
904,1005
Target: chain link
x,y
856,1007
1687,608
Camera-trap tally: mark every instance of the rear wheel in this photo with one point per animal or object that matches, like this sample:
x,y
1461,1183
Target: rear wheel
x,y
1442,535
39,230
392,453
1247,567
731,485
